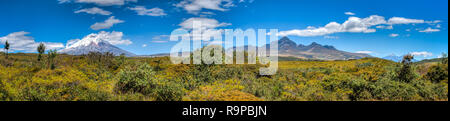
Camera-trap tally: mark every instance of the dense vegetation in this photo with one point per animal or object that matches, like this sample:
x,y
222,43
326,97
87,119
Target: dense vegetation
x,y
98,77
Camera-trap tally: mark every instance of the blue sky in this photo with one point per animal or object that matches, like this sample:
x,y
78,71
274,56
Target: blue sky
x,y
379,28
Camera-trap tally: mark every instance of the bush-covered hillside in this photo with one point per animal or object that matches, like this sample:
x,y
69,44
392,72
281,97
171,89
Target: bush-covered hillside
x,y
100,77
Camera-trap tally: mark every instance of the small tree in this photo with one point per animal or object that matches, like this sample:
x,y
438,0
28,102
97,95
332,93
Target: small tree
x,y
51,56
121,59
444,58
406,73
41,50
6,49
158,65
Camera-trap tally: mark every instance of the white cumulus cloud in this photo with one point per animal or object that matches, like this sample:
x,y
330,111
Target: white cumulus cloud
x,y
206,23
111,21
20,41
430,30
207,27
94,10
353,24
99,2
195,6
394,35
422,54
384,27
349,13
364,52
402,20
141,10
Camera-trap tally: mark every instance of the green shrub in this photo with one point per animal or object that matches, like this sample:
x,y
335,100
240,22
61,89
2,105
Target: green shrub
x,y
439,73
139,80
361,89
169,92
31,94
101,77
3,93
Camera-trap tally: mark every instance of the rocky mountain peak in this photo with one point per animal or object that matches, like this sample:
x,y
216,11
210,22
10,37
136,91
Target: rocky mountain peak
x,y
289,48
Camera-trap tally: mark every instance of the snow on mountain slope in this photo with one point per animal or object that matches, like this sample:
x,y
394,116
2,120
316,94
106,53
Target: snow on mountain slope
x,y
102,42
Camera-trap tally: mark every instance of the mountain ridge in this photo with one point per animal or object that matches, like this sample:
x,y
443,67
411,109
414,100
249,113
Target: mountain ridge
x,y
288,48
99,46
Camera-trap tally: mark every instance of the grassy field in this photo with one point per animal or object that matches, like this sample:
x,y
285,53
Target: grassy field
x,y
101,77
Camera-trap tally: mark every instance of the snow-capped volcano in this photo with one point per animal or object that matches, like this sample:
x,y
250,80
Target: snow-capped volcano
x,y
90,39
102,42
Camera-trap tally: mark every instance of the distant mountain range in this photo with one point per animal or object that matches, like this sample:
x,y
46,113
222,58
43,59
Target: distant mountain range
x,y
288,48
